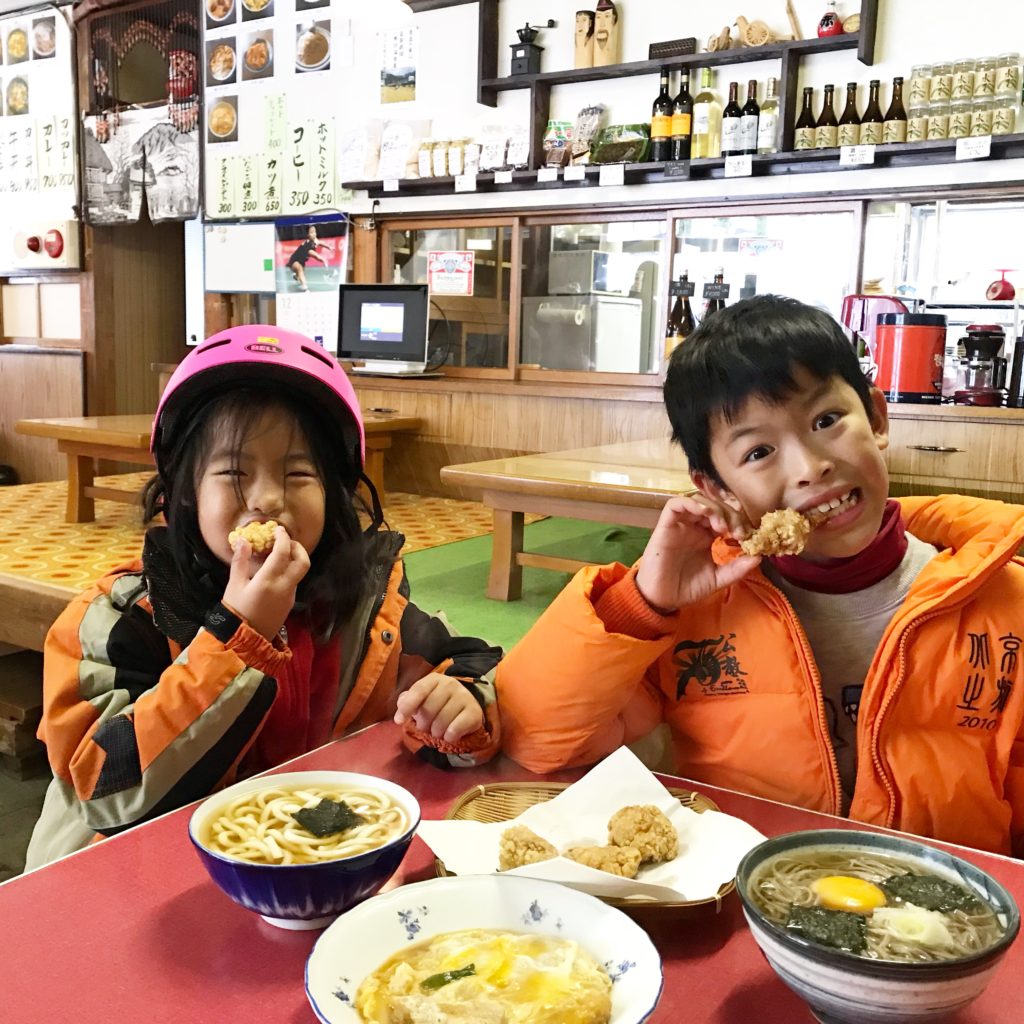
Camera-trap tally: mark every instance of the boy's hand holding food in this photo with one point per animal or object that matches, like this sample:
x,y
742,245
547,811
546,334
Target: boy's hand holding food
x,y
677,567
264,594
442,706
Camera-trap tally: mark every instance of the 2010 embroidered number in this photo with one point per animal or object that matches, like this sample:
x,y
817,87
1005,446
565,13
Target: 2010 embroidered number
x,y
975,722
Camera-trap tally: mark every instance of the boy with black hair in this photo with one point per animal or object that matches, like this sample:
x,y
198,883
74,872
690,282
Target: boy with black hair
x,y
877,674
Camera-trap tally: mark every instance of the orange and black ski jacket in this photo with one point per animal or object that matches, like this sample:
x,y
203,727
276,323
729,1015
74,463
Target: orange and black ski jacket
x,y
940,744
137,724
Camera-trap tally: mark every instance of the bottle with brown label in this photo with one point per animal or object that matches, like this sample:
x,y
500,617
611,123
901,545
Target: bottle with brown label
x,y
806,125
894,128
849,123
826,132
872,121
661,122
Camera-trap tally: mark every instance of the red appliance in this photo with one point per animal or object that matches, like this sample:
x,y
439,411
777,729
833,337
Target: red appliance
x,y
910,350
860,313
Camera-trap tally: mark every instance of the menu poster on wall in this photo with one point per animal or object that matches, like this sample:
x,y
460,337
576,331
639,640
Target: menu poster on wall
x,y
271,98
450,273
398,65
310,261
37,111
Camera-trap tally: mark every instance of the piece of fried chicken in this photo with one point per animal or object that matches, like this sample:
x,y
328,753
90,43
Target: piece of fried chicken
x,y
519,846
616,860
259,535
782,532
642,827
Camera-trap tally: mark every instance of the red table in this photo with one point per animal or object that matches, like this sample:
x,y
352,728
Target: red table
x,y
132,929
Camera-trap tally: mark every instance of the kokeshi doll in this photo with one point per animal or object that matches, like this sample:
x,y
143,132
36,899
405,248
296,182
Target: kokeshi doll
x,y
606,34
584,39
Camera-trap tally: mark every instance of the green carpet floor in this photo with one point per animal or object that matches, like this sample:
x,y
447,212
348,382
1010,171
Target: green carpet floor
x,y
453,578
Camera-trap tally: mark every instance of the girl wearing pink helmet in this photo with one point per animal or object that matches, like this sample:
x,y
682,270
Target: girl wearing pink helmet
x,y
206,661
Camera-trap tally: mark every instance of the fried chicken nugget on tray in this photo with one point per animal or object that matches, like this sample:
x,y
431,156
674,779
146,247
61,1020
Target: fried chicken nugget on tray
x,y
259,535
520,846
616,860
642,827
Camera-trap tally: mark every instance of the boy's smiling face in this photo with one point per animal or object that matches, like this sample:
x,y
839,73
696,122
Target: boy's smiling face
x,y
816,450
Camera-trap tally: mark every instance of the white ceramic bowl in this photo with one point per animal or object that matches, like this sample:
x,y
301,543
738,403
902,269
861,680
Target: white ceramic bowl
x,y
300,896
843,988
362,939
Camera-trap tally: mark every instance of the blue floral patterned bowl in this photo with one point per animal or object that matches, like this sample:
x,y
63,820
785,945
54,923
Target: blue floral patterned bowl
x,y
362,939
300,896
843,988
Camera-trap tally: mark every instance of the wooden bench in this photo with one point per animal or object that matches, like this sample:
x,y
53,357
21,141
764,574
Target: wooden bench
x,y
626,483
84,439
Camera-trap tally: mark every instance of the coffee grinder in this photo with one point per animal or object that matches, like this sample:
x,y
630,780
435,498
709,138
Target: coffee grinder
x,y
983,370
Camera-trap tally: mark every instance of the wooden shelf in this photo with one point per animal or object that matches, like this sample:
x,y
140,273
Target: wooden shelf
x,y
743,55
808,161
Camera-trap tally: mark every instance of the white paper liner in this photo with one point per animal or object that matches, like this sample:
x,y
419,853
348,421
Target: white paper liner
x,y
711,844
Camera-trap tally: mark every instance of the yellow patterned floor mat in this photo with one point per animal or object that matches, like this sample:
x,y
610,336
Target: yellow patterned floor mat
x,y
37,544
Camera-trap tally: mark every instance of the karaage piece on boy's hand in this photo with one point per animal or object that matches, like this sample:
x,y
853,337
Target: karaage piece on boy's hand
x,y
781,532
520,845
644,828
259,535
623,861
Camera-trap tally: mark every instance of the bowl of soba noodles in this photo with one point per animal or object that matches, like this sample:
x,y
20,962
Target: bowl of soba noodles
x,y
300,848
871,927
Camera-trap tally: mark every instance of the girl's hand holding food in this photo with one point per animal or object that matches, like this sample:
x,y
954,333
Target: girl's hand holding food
x,y
442,706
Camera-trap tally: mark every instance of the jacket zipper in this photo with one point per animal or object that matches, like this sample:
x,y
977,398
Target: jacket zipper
x,y
382,570
812,672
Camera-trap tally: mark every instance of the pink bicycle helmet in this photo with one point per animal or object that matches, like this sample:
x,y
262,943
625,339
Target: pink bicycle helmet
x,y
259,354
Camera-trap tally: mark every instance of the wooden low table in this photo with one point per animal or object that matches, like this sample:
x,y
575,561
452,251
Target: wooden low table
x,y
626,483
85,439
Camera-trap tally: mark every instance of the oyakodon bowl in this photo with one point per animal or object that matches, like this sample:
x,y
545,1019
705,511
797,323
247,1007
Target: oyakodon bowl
x,y
844,988
361,940
300,896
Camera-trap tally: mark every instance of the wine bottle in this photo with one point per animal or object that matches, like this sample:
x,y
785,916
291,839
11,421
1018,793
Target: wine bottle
x,y
714,305
849,123
806,126
661,122
749,121
732,122
768,120
826,131
894,128
682,118
707,119
872,121
680,321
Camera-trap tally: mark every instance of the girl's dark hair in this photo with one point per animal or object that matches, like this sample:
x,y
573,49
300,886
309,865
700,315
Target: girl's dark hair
x,y
338,571
751,349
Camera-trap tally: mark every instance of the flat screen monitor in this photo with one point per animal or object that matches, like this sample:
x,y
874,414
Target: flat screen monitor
x,y
385,326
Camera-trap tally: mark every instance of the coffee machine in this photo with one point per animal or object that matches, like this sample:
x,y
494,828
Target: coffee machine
x,y
982,373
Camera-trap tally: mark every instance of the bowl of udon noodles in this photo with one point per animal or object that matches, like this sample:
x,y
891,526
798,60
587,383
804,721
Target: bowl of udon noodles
x,y
300,848
480,949
872,927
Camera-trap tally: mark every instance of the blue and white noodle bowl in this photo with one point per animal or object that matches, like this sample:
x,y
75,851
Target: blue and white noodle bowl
x,y
301,896
846,988
361,940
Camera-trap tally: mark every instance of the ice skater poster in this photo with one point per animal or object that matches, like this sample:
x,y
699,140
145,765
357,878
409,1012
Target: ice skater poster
x,y
311,253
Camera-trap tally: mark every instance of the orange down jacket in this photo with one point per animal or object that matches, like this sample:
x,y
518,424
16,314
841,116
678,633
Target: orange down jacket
x,y
940,747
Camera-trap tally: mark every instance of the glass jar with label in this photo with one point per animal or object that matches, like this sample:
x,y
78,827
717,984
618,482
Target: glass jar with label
x,y
1008,75
941,82
981,117
938,119
1004,115
960,119
985,78
423,162
920,85
439,158
963,79
917,122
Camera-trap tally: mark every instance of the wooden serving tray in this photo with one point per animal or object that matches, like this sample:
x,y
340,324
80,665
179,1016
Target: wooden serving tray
x,y
503,801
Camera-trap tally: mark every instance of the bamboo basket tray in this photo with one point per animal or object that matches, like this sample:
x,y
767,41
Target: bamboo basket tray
x,y
506,800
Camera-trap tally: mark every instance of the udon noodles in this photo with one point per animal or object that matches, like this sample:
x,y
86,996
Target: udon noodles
x,y
259,826
787,881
